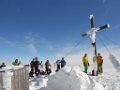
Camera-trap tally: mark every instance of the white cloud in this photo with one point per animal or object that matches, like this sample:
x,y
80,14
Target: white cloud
x,y
28,45
47,44
32,49
29,37
8,42
31,41
4,40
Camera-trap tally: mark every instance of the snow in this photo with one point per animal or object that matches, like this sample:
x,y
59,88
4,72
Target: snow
x,y
115,62
91,16
108,25
72,77
69,78
111,81
6,82
38,83
5,76
92,34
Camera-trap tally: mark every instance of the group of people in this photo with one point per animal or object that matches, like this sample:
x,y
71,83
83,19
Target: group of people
x,y
35,64
60,64
37,67
98,59
15,63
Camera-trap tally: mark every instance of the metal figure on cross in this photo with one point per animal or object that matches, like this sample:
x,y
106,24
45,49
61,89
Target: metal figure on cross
x,y
92,34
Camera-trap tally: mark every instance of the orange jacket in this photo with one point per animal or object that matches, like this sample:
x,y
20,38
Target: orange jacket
x,y
99,59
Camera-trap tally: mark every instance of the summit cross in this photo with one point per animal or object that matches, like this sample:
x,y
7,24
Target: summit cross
x,y
92,34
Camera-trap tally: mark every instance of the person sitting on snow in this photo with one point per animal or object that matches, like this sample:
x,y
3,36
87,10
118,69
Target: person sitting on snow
x,y
85,63
2,65
99,63
16,62
63,62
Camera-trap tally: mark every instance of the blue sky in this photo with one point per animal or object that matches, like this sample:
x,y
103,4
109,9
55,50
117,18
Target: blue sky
x,y
49,28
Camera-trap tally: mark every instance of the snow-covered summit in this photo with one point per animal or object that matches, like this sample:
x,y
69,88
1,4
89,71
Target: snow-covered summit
x,y
72,79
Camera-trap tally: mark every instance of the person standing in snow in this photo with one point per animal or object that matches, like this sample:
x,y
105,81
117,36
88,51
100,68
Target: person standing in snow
x,y
37,71
58,65
32,65
63,62
48,67
99,63
85,63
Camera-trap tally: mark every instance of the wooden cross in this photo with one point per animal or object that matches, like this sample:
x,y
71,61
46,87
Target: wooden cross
x,y
92,33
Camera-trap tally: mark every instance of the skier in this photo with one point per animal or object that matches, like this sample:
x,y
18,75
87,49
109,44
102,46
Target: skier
x,y
99,63
63,62
32,65
85,63
58,65
48,67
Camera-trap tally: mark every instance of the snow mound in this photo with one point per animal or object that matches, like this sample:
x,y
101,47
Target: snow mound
x,y
115,62
37,83
72,79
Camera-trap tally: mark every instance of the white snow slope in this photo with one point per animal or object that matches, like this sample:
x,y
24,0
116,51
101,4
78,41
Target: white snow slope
x,y
72,78
68,79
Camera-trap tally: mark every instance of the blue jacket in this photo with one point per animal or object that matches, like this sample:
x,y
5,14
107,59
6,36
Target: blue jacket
x,y
63,63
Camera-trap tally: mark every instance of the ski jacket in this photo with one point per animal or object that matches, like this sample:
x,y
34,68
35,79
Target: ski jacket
x,y
32,64
85,60
47,65
63,63
99,59
36,63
